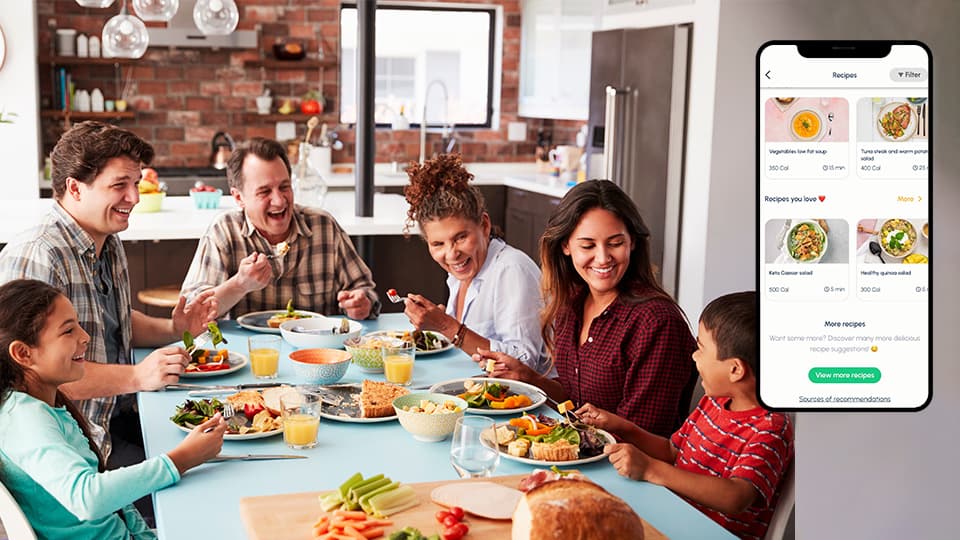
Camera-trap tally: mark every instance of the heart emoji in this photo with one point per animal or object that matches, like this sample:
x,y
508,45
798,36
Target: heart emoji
x,y
873,349
822,197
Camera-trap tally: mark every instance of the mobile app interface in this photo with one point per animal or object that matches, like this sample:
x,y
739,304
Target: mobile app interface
x,y
844,230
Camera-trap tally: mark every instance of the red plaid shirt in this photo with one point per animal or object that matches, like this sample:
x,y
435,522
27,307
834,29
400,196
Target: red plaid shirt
x,y
637,362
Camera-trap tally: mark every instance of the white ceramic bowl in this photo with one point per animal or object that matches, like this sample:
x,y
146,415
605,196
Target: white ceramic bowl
x,y
300,332
428,427
320,366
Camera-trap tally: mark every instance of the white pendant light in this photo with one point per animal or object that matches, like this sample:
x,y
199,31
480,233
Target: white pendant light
x,y
95,3
216,17
156,10
124,36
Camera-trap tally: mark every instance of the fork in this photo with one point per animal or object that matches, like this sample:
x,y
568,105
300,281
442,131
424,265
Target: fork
x,y
229,414
203,339
392,295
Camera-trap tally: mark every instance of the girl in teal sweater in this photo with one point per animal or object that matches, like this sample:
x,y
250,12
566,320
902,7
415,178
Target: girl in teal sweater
x,y
47,460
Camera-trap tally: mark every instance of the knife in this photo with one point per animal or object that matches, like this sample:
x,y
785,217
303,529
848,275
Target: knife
x,y
253,457
223,389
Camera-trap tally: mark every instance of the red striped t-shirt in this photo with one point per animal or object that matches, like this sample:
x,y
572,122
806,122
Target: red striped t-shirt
x,y
755,445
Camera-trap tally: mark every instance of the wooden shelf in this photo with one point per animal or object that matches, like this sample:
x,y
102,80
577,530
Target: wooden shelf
x,y
79,61
293,117
76,115
290,64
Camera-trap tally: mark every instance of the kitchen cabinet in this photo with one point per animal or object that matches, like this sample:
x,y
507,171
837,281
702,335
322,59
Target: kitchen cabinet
x,y
527,214
555,58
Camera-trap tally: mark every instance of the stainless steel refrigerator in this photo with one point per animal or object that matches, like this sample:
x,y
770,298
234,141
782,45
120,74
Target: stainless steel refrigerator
x,y
638,95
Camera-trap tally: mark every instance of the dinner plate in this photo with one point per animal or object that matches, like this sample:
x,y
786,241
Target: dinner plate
x,y
911,128
529,461
237,436
396,334
455,387
257,320
237,362
340,403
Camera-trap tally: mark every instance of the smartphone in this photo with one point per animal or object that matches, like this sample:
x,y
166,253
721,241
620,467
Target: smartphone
x,y
844,235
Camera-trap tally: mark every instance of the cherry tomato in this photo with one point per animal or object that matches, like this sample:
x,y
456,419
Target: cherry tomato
x,y
441,515
458,531
456,512
462,528
450,520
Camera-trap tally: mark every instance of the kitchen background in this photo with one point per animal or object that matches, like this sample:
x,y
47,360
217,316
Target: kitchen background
x,y
181,97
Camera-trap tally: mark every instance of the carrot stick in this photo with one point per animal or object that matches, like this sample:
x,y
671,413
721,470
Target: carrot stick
x,y
350,514
374,532
322,528
322,520
353,533
380,522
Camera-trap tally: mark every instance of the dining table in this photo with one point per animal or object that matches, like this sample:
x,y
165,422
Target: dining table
x,y
205,503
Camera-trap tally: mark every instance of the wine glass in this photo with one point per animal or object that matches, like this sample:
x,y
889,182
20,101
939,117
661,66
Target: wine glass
x,y
474,452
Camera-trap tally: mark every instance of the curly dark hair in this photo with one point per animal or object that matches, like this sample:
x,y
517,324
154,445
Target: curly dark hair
x,y
440,188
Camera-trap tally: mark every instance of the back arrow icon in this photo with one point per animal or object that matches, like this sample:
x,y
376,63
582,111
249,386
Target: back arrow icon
x,y
767,74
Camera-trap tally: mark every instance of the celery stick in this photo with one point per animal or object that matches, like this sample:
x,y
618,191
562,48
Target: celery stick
x,y
359,491
330,501
345,487
361,484
393,501
365,499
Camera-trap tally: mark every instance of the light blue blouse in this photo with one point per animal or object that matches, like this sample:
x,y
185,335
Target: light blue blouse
x,y
503,304
47,465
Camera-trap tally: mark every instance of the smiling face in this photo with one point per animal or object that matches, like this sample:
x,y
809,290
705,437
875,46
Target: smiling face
x,y
58,357
102,207
459,245
266,197
599,249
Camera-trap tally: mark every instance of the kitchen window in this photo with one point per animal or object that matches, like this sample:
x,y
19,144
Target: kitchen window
x,y
448,50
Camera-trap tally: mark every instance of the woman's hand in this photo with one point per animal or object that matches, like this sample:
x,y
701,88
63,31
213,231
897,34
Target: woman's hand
x,y
597,417
200,445
425,315
503,366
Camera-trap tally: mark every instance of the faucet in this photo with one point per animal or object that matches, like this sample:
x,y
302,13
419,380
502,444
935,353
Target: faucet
x,y
423,119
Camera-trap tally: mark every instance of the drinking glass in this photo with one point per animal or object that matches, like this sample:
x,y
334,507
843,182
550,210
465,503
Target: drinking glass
x,y
300,410
264,355
474,452
398,362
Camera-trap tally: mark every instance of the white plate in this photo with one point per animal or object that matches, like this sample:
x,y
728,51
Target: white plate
x,y
816,137
911,129
396,334
238,437
357,420
529,461
237,362
257,320
340,404
455,387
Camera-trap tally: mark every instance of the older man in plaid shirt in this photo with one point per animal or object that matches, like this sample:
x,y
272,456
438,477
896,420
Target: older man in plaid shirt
x,y
320,271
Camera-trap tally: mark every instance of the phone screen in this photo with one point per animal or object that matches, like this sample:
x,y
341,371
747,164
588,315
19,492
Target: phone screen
x,y
844,230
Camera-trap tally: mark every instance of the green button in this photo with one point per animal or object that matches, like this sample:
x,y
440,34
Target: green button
x,y
848,375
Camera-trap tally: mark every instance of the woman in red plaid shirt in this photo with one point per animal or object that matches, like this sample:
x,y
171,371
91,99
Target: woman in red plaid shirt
x,y
615,336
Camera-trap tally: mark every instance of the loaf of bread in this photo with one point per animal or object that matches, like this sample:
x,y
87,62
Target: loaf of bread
x,y
376,398
560,450
574,510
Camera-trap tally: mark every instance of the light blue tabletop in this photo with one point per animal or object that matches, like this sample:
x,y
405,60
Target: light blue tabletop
x,y
205,504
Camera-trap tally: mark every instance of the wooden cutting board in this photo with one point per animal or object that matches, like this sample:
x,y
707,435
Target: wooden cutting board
x,y
291,516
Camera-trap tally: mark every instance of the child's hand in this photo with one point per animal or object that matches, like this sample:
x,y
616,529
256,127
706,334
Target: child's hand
x,y
203,443
597,417
629,460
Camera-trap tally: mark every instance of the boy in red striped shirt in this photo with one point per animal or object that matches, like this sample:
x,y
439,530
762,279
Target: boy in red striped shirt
x,y
728,457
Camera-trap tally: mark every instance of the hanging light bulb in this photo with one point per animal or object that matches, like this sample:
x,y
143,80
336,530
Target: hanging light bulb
x,y
156,10
216,17
95,3
124,36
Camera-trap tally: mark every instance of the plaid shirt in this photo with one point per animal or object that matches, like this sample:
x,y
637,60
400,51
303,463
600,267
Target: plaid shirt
x,y
59,252
637,361
321,262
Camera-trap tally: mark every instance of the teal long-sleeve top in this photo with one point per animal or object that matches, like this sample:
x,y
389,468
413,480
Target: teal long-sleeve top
x,y
46,463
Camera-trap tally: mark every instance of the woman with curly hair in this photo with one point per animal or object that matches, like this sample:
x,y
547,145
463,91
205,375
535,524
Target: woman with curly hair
x,y
614,335
494,295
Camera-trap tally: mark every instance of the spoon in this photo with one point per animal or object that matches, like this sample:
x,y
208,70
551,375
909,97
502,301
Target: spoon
x,y
311,123
875,249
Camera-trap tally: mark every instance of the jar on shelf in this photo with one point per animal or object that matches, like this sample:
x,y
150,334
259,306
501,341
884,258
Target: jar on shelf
x,y
310,189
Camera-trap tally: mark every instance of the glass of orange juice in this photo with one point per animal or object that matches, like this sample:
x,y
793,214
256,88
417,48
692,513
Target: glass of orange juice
x,y
264,355
398,362
300,410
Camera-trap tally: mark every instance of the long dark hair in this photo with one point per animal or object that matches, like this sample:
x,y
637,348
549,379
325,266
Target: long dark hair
x,y
560,283
25,305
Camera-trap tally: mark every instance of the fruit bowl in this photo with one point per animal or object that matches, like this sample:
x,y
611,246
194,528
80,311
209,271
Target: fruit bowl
x,y
291,50
206,200
149,202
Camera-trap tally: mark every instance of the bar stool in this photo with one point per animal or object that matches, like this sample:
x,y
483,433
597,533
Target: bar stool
x,y
161,297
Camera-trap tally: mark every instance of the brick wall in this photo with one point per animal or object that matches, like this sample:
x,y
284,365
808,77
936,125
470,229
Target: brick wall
x,y
183,96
